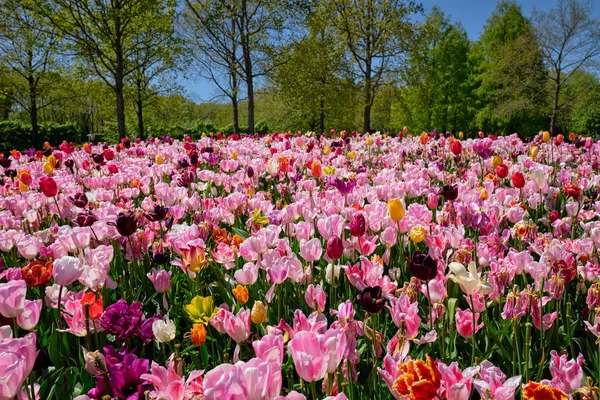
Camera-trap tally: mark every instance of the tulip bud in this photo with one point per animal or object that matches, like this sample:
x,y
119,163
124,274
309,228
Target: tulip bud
x,y
518,179
335,248
358,225
533,152
417,234
259,313
502,171
455,147
198,334
546,136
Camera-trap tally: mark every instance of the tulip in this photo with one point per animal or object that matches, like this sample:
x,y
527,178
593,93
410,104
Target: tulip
x,y
198,334
496,161
468,280
48,186
66,270
193,257
24,176
161,280
12,298
126,224
315,297
539,391
240,293
422,266
417,234
533,152
30,316
269,348
418,379
450,192
464,323
502,171
37,273
518,179
316,169
371,299
259,313
358,225
395,209
456,147
164,330
335,248
201,309
93,302
309,355
546,136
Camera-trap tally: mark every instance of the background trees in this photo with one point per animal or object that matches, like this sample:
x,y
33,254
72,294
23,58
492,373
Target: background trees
x,y
111,67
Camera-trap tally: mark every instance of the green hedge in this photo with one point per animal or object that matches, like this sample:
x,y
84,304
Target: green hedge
x,y
17,135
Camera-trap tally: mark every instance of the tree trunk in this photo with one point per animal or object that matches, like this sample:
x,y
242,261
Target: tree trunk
x,y
33,112
119,78
245,42
234,82
322,114
368,101
140,108
555,105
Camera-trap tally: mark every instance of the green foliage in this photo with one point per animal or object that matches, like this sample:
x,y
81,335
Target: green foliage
x,y
16,134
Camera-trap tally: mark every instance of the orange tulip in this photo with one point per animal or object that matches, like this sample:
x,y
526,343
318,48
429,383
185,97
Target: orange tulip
x,y
418,380
198,334
539,391
24,176
241,294
37,273
94,303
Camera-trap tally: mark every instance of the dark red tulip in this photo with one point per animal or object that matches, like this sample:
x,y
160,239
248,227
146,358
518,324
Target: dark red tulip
x,y
335,248
422,266
48,186
126,224
358,225
371,299
85,218
450,192
79,200
158,214
554,215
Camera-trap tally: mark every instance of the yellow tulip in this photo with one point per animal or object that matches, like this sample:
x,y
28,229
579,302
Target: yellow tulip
x,y
546,136
258,218
330,170
417,234
234,155
461,135
201,309
396,209
258,314
52,160
352,155
158,159
23,187
48,168
534,152
326,149
496,161
369,141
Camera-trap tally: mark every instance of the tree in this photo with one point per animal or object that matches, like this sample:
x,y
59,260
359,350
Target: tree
x,y
569,37
509,73
437,93
28,52
379,35
107,34
212,29
159,53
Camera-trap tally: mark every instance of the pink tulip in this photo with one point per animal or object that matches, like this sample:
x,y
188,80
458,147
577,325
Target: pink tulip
x,y
25,350
252,380
236,326
464,323
315,297
12,374
293,395
492,383
309,354
30,316
161,280
66,270
248,275
311,250
12,298
566,375
457,384
269,348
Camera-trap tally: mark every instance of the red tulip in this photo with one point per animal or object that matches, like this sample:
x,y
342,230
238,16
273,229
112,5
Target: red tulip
x,y
113,169
554,215
518,180
48,186
456,147
358,225
502,171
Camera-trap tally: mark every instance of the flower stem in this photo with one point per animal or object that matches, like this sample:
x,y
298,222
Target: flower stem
x,y
474,329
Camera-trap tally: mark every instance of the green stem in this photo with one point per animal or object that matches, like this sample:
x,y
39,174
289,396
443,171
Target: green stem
x,y
474,329
313,388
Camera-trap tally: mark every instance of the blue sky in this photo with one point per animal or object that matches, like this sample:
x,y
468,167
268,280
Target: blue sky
x,y
471,13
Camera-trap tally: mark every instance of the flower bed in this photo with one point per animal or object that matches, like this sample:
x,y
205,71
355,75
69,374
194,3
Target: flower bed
x,y
302,267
